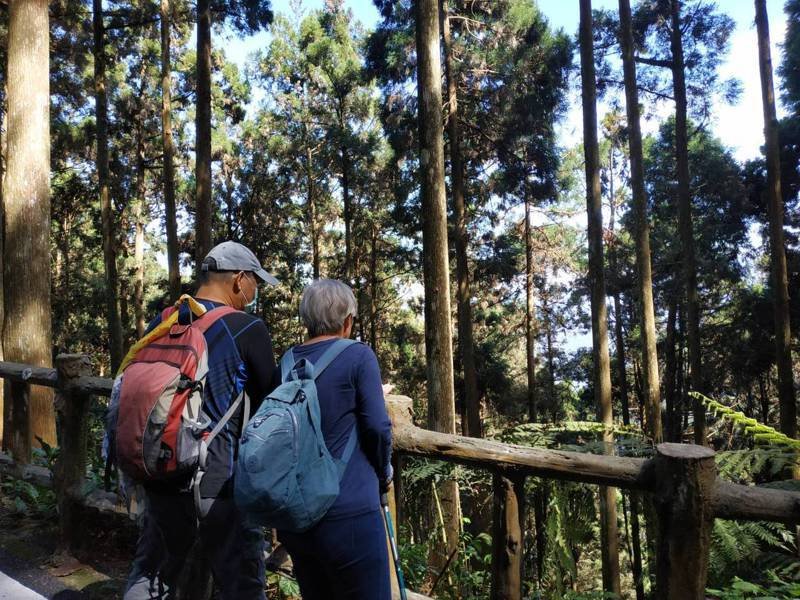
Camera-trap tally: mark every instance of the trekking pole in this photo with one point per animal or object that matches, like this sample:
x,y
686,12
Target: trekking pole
x,y
387,517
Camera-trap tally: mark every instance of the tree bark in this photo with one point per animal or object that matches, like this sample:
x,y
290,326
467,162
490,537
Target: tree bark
x,y
203,134
685,477
347,271
4,406
670,372
783,351
508,527
107,212
622,374
636,544
373,286
438,329
140,216
602,367
689,262
312,213
169,153
471,417
27,333
644,282
530,316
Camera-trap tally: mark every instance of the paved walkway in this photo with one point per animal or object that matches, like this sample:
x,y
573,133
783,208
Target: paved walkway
x,y
10,589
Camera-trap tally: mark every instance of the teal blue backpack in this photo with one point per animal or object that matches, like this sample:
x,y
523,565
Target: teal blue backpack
x,y
285,476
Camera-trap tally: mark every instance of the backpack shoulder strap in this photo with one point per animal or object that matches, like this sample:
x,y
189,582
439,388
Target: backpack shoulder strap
x,y
287,363
204,322
331,354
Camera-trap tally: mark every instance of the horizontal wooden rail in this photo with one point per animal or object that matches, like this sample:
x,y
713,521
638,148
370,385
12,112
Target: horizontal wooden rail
x,y
615,471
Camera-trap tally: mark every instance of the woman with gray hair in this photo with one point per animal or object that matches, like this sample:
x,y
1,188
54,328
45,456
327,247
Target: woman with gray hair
x,y
344,556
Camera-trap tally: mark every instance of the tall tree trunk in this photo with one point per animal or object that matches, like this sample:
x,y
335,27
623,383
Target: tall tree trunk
x,y
203,134
622,374
27,332
373,286
530,315
471,419
109,247
636,547
681,372
689,262
672,423
762,395
644,282
438,329
347,271
783,338
169,153
602,368
311,200
140,217
550,350
4,412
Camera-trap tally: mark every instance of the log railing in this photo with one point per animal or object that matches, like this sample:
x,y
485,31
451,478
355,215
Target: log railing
x,y
681,478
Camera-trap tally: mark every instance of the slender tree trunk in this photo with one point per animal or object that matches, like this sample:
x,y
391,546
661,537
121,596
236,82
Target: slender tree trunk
x,y
471,419
204,213
312,213
762,395
373,286
109,247
530,316
602,368
550,350
644,282
438,329
636,543
685,224
169,153
681,372
3,141
140,218
672,424
783,338
27,332
540,514
347,272
622,374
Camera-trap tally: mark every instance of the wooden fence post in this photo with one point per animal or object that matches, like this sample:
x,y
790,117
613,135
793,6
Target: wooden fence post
x,y
20,422
685,478
507,535
72,407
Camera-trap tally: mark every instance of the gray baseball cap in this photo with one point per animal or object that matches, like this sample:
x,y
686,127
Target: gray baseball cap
x,y
232,256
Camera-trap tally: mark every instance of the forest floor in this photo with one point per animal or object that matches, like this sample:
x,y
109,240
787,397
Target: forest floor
x,y
29,553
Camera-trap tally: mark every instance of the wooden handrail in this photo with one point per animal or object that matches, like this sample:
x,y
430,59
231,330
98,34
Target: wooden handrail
x,y
731,501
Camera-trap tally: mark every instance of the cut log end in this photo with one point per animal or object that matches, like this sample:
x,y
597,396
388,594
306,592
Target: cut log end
x,y
684,451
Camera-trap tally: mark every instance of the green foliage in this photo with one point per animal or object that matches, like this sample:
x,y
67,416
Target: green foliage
x,y
761,434
283,587
26,499
775,588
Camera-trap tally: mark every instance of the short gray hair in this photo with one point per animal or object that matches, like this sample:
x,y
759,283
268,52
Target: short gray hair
x,y
325,305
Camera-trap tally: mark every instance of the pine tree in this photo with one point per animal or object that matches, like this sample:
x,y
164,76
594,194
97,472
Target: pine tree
x,y
602,370
27,332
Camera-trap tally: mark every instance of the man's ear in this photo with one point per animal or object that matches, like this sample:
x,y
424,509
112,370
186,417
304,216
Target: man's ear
x,y
237,282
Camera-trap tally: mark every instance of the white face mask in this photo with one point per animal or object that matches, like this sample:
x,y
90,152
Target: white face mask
x,y
250,307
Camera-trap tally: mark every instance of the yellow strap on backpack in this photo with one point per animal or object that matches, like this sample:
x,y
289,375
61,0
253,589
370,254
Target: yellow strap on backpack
x,y
162,328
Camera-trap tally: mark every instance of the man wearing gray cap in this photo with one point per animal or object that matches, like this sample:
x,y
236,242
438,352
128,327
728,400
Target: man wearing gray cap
x,y
240,357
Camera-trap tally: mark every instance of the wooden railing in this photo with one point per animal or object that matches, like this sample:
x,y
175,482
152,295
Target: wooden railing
x,y
681,478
